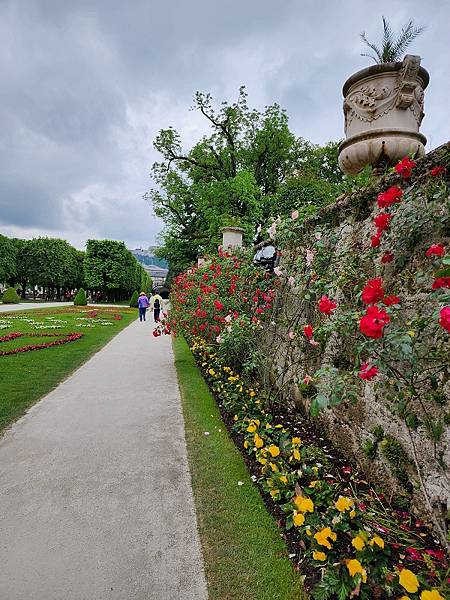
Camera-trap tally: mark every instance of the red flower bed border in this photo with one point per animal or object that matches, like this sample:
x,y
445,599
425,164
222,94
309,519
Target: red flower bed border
x,y
64,338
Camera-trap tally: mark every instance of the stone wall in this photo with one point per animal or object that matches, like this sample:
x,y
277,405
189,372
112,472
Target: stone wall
x,y
405,451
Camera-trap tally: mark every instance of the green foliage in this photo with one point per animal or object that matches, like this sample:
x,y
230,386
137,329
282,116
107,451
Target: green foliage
x,y
392,48
10,296
80,298
8,255
134,299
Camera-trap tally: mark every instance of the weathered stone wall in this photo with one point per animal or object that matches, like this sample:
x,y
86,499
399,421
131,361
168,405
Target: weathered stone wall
x,y
408,455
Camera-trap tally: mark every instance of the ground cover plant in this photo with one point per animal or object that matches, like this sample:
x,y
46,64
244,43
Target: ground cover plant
x,y
244,556
354,542
27,375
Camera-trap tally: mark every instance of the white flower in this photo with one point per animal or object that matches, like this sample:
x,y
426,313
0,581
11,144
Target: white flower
x,y
309,257
294,214
240,483
313,343
228,318
219,339
291,281
206,433
278,271
272,230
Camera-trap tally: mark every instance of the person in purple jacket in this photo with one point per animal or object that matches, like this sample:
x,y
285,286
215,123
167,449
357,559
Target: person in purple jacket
x,y
143,304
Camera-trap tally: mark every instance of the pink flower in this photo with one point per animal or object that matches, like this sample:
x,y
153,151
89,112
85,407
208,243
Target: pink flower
x,y
278,271
307,379
291,335
294,214
326,305
444,318
404,167
435,250
219,339
367,372
309,257
291,281
313,343
272,230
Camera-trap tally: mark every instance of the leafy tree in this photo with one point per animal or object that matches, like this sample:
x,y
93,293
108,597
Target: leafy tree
x,y
134,299
80,298
10,296
8,255
392,47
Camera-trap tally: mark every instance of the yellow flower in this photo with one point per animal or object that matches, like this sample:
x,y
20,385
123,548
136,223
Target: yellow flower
x,y
377,540
251,428
211,372
283,479
235,418
431,595
352,514
245,444
358,543
304,504
259,443
313,484
298,519
252,393
405,598
274,493
408,581
273,467
296,441
296,454
262,461
274,450
319,556
343,504
308,531
322,537
354,567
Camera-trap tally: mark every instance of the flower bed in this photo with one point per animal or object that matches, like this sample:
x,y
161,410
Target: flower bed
x,y
62,338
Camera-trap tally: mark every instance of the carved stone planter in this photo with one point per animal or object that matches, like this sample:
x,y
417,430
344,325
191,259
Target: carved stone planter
x,y
232,237
383,110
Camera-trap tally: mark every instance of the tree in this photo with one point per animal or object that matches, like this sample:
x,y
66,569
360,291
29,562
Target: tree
x,y
8,255
80,298
229,177
10,296
392,48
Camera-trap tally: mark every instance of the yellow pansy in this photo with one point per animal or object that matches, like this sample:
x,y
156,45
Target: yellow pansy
x,y
296,441
274,493
283,479
354,567
296,454
298,519
408,581
258,441
211,372
377,540
245,444
274,450
252,393
343,504
313,484
251,428
273,467
262,460
352,514
358,543
319,556
308,531
304,504
431,595
322,536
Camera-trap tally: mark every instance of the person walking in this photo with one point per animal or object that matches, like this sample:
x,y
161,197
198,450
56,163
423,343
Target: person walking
x,y
156,305
143,304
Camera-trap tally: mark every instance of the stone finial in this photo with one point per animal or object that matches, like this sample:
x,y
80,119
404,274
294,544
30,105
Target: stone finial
x,y
232,237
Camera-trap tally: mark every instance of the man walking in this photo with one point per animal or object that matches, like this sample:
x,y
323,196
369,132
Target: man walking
x,y
156,305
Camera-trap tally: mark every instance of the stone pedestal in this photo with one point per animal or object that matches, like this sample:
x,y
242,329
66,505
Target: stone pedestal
x,y
383,110
232,237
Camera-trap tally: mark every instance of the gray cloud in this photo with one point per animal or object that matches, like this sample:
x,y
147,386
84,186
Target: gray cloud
x,y
87,85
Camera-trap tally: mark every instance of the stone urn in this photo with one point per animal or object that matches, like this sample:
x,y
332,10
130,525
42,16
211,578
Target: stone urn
x,y
383,109
232,237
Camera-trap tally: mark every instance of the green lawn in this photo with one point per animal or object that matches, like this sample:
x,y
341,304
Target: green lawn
x,y
26,377
245,557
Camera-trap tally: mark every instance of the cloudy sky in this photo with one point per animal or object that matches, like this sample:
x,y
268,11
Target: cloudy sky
x,y
87,84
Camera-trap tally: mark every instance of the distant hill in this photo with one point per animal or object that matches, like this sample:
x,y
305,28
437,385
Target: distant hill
x,y
147,257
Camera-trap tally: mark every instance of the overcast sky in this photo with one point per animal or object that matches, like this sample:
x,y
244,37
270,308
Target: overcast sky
x,y
87,84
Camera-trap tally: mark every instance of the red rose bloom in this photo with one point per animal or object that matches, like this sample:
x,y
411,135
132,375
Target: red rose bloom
x,y
441,282
387,257
435,250
218,305
437,171
308,331
326,305
375,239
404,167
391,300
444,318
382,221
391,196
366,372
373,291
373,322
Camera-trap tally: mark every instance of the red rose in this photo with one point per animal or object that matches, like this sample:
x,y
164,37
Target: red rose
x,y
218,305
441,282
387,257
404,167
373,291
444,318
435,250
375,239
391,196
373,322
437,171
308,331
366,372
326,305
391,300
382,221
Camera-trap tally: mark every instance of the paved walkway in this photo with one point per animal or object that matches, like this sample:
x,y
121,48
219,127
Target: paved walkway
x,y
95,494
30,305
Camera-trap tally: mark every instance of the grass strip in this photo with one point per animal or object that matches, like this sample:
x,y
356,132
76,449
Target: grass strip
x,y
27,377
245,557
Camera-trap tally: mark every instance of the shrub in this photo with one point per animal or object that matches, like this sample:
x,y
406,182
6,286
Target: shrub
x,y
134,300
80,298
10,296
